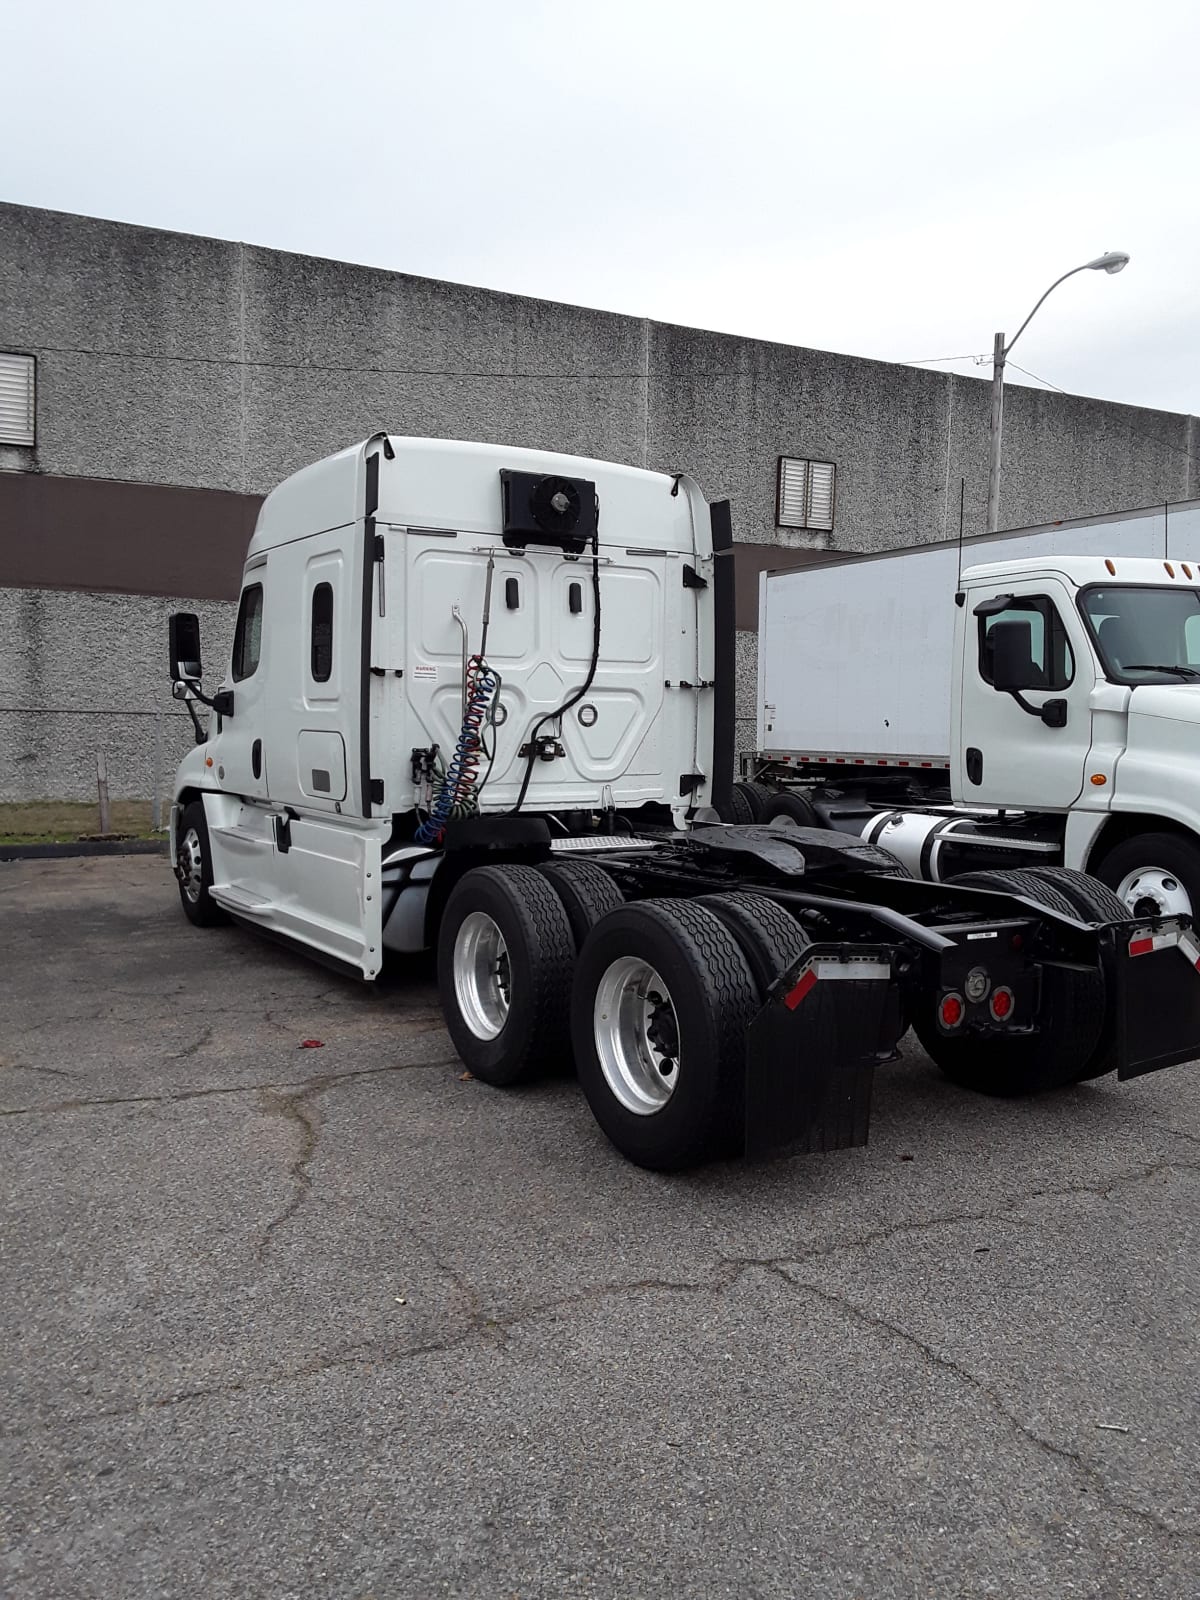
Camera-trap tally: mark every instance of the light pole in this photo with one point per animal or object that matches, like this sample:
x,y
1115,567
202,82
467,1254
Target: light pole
x,y
1113,261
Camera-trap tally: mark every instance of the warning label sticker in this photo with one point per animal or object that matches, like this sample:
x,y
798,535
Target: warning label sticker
x,y
426,670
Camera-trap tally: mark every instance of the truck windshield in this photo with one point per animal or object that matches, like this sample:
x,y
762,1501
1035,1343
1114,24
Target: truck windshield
x,y
1145,635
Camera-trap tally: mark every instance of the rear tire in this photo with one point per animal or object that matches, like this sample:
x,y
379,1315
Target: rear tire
x,y
1093,901
1067,1047
736,809
756,796
793,807
767,936
193,856
587,892
659,1010
504,954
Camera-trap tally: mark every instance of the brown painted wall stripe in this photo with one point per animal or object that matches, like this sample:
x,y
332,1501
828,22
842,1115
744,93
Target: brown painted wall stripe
x,y
129,538
102,535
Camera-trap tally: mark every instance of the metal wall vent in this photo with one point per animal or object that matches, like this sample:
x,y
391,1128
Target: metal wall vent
x,y
805,494
16,399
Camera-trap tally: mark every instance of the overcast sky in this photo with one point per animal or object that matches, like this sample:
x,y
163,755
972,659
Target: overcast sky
x,y
893,180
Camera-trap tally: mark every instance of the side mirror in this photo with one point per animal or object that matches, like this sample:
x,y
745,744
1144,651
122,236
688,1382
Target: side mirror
x,y
1012,657
184,630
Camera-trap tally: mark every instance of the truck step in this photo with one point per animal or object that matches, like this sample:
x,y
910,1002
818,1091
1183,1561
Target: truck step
x,y
236,899
589,844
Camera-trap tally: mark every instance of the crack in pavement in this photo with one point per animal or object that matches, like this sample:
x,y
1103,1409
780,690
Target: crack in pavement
x,y
945,1363
23,1066
195,1046
729,1271
58,1106
293,1108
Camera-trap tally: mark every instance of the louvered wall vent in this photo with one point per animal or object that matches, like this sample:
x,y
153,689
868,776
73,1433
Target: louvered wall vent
x,y
805,494
16,399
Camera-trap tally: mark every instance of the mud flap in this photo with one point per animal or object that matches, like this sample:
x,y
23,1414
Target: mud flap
x,y
1156,972
811,1051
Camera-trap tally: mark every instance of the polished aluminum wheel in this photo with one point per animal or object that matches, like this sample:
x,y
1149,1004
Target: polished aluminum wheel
x,y
482,976
637,1035
1154,892
190,865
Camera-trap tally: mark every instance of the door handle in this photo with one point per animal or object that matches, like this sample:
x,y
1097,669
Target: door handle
x,y
256,758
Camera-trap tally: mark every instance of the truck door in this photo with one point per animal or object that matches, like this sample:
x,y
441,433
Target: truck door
x,y
313,696
239,751
1006,754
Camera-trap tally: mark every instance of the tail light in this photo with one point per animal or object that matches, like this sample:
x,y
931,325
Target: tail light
x,y
951,1011
1001,1005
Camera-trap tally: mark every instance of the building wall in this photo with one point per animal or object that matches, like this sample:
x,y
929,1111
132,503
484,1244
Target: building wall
x,y
200,365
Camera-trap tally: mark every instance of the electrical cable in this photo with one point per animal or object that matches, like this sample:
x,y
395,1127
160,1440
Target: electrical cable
x,y
577,696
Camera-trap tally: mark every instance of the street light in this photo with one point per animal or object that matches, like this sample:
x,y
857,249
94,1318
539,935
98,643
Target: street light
x,y
1112,261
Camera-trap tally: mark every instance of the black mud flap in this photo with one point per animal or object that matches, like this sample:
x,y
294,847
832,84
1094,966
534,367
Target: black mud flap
x,y
1156,971
811,1051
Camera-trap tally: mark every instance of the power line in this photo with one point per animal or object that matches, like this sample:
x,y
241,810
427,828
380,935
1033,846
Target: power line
x,y
930,361
1036,379
1153,438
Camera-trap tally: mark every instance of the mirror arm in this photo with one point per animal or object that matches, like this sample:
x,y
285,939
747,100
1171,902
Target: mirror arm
x,y
201,736
221,702
1052,712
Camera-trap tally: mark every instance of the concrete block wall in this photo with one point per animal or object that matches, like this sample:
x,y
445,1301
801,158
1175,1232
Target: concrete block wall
x,y
169,359
67,692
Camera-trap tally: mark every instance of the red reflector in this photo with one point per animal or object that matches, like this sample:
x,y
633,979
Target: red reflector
x,y
806,982
1140,947
951,1011
1002,1004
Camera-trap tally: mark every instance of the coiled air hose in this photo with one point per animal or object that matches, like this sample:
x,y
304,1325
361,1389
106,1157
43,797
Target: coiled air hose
x,y
458,792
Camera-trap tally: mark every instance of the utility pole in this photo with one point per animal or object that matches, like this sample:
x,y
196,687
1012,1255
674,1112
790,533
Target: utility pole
x,y
999,355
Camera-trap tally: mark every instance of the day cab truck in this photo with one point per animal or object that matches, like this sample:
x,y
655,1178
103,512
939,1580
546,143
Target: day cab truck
x,y
480,700
1026,699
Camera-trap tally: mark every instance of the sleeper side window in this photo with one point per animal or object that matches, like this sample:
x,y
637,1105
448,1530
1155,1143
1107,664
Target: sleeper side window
x,y
1048,642
322,632
247,639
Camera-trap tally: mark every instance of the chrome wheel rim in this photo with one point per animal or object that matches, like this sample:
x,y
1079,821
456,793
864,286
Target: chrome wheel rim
x,y
191,865
637,1035
1154,892
482,975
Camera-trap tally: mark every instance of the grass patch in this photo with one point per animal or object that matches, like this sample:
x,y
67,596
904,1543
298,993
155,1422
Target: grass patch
x,y
64,821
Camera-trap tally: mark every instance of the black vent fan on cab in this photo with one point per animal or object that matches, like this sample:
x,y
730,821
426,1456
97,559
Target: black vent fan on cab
x,y
548,509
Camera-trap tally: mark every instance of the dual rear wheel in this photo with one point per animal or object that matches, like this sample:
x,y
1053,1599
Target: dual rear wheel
x,y
651,1000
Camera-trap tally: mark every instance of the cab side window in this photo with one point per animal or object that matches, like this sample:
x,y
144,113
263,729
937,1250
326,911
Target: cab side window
x,y
322,633
1048,642
247,639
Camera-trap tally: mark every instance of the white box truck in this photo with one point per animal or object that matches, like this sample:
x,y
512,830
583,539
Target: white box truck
x,y
1028,697
480,700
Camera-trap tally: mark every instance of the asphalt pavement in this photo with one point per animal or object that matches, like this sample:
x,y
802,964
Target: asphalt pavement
x,y
337,1321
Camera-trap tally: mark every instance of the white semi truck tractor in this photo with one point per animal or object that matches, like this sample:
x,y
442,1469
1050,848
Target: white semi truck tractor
x,y
480,700
1027,699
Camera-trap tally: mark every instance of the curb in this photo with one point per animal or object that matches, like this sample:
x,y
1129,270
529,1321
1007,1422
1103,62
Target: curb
x,y
83,847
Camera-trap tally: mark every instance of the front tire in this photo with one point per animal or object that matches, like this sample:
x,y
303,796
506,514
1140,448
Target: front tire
x,y
659,1010
1154,874
504,956
193,869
